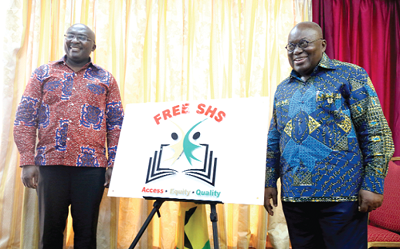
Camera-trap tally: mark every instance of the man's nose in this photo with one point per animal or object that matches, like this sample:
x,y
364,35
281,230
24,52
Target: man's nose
x,y
75,39
297,50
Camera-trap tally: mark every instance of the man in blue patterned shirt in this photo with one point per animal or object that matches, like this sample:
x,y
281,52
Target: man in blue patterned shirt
x,y
330,145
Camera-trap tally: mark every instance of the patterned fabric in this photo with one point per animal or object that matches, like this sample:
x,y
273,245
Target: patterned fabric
x,y
192,227
75,113
376,234
87,158
96,89
40,158
26,112
328,136
112,151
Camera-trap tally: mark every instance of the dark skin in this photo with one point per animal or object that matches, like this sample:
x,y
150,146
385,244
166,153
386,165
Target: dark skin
x,y
78,52
303,61
78,55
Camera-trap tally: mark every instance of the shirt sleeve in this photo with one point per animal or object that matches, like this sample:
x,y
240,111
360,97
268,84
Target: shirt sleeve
x,y
273,153
373,132
114,119
26,118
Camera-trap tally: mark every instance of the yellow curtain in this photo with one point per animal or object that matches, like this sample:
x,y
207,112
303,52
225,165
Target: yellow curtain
x,y
158,51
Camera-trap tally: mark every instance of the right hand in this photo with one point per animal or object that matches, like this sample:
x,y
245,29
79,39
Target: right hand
x,y
30,176
270,193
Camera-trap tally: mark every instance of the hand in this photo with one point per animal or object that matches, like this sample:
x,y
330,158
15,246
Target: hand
x,y
368,201
108,177
270,193
30,176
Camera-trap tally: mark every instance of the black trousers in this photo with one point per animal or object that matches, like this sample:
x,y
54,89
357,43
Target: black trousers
x,y
319,225
61,186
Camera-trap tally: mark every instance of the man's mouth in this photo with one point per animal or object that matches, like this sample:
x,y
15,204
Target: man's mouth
x,y
300,60
74,49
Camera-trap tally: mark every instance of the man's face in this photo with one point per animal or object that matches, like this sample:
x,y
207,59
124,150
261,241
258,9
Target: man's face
x,y
76,49
304,60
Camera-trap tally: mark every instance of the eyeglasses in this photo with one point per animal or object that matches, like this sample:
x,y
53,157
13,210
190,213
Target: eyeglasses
x,y
82,38
301,44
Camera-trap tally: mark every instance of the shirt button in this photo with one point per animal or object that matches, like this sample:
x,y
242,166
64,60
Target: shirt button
x,y
73,88
67,138
72,103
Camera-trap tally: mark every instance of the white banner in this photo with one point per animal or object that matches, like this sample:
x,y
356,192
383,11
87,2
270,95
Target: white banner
x,y
211,150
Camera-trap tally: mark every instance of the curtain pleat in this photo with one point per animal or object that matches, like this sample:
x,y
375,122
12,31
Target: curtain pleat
x,y
367,33
158,51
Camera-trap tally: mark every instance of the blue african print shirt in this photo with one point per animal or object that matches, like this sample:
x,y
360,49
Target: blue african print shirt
x,y
76,116
328,136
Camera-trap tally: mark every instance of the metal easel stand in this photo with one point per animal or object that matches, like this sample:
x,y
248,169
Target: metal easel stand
x,y
156,209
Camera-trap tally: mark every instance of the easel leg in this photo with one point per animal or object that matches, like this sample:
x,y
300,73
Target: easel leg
x,y
214,219
156,206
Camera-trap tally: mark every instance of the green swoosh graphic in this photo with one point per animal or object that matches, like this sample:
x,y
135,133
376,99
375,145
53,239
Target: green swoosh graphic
x,y
189,147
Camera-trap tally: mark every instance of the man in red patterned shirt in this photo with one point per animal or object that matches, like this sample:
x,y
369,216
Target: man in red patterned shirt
x,y
75,106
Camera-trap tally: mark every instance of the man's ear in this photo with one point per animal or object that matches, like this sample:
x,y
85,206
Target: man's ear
x,y
94,47
323,44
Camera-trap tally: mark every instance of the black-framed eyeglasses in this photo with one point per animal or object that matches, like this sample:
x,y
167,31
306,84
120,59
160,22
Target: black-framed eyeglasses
x,y
301,44
82,38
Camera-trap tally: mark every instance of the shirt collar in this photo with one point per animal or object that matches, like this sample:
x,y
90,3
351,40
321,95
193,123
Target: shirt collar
x,y
325,62
64,58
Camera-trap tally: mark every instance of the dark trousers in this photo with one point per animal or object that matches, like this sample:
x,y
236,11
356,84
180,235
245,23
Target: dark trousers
x,y
320,225
61,186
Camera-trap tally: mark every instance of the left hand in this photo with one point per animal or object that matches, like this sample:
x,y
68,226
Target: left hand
x,y
108,177
368,201
270,193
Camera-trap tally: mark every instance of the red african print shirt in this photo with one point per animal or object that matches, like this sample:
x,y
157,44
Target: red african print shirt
x,y
76,115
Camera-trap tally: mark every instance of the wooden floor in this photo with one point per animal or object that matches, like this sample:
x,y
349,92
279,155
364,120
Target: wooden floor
x,y
269,246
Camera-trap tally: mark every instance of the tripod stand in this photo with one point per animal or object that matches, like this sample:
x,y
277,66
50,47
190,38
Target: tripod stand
x,y
156,209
